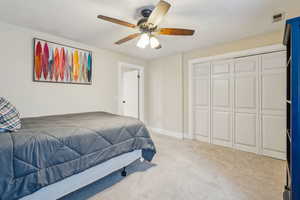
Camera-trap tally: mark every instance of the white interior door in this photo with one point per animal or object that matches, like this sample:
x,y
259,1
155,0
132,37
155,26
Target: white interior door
x,y
131,93
221,86
201,101
246,106
273,104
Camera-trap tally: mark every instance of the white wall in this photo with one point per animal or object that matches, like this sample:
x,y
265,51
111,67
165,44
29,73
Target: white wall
x,y
36,99
163,94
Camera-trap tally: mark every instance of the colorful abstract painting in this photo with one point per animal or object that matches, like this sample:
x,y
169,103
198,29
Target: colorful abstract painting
x,y
61,64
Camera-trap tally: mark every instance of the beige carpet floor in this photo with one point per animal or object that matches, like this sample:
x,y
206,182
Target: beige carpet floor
x,y
191,170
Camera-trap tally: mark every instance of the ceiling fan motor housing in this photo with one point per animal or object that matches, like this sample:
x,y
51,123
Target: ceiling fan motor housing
x,y
146,12
142,23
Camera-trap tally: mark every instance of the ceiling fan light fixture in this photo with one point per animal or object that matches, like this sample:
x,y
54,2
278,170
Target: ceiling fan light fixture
x,y
143,41
154,43
152,17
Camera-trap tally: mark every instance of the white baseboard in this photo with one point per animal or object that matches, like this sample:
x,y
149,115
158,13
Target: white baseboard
x,y
166,132
188,136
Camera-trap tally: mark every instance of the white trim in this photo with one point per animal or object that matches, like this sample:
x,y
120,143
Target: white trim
x,y
77,181
122,65
166,132
274,154
231,55
187,136
182,93
248,52
190,108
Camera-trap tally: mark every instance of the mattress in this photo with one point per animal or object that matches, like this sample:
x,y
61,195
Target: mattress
x,y
49,149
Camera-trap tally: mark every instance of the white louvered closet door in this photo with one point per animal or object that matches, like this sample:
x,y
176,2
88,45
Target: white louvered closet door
x,y
221,103
201,102
246,104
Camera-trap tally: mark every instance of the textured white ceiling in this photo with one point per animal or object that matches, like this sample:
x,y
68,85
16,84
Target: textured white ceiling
x,y
215,21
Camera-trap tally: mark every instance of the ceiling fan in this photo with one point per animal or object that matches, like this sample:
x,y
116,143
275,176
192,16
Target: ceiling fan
x,y
148,26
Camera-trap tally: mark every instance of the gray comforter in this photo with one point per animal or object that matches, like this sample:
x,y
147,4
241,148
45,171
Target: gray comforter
x,y
49,149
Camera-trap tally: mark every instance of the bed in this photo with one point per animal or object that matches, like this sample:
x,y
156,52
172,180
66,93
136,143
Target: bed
x,y
55,155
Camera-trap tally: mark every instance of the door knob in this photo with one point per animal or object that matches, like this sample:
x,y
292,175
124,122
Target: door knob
x,y
123,101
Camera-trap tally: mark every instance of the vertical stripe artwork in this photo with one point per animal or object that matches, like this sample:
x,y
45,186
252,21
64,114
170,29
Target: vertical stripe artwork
x,y
80,66
61,64
51,64
89,67
75,65
56,64
38,61
67,70
45,62
83,69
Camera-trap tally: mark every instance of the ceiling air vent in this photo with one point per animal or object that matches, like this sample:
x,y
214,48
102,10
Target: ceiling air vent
x,y
278,17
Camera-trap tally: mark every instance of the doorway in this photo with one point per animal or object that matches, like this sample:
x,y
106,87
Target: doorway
x,y
131,90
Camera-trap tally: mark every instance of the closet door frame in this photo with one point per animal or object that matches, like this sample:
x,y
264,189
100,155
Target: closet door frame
x,y
227,56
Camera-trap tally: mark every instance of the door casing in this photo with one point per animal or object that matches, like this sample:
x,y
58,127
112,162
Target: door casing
x,y
121,67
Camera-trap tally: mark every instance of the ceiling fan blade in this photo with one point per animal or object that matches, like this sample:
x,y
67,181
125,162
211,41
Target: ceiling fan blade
x,y
158,13
129,37
116,21
175,31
